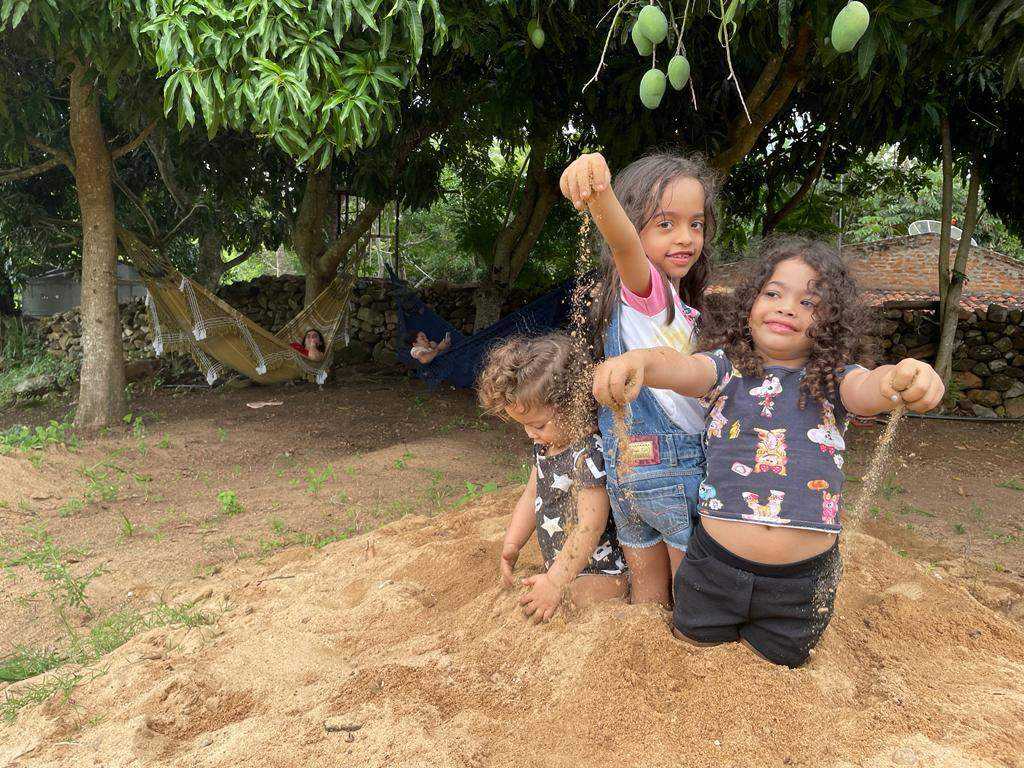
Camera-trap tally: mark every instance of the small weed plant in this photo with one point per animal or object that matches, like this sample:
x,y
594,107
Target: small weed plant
x,y
229,503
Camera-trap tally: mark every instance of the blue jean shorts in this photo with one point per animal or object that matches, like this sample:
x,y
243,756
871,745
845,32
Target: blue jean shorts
x,y
655,504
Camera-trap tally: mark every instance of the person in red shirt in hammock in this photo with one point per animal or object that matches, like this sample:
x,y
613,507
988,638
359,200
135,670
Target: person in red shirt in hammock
x,y
311,346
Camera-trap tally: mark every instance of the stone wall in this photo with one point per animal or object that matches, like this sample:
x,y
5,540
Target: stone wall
x,y
988,361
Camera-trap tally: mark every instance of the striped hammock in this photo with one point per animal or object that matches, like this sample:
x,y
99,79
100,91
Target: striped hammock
x,y
186,317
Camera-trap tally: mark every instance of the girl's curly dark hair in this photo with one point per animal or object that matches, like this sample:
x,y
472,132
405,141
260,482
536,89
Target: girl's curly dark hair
x,y
839,332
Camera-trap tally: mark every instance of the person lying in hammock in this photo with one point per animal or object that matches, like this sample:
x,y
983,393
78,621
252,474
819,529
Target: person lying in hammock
x,y
423,350
311,346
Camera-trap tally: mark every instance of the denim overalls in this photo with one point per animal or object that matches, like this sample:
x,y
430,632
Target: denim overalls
x,y
656,500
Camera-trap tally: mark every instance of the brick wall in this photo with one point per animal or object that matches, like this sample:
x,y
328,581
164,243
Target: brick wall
x,y
909,263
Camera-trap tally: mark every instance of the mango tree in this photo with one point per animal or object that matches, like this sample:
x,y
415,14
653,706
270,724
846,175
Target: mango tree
x,y
85,49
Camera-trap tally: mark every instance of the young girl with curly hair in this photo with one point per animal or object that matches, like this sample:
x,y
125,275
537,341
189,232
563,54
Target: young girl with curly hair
x,y
530,381
657,222
779,384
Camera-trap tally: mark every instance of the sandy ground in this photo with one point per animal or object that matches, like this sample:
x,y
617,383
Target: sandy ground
x,y
402,642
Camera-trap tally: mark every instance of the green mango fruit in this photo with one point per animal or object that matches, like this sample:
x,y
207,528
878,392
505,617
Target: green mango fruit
x,y
643,46
537,36
678,71
653,24
849,26
652,88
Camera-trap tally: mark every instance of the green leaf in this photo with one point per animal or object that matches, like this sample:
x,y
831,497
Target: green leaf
x,y
19,13
963,7
866,52
415,31
785,14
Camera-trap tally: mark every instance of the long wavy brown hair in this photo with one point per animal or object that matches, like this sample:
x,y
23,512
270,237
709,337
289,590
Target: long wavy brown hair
x,y
839,332
639,188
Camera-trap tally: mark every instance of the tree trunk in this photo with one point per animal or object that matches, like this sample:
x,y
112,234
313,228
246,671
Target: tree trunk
x,y
211,265
308,234
6,294
515,241
946,214
950,310
101,398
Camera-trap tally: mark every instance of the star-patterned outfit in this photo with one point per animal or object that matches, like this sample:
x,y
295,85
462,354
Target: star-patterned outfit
x,y
582,463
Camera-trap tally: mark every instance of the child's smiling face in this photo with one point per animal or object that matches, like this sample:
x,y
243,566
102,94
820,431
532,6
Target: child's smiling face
x,y
674,237
783,312
540,424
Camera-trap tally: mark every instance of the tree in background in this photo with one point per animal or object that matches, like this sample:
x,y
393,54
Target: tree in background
x,y
84,49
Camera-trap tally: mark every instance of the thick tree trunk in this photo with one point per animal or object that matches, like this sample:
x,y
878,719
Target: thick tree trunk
x,y
946,214
101,399
950,310
514,243
211,266
308,233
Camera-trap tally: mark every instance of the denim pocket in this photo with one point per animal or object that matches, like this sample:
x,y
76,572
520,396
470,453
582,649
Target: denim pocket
x,y
661,502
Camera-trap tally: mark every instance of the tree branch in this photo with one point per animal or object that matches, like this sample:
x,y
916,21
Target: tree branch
x,y
58,154
743,135
132,145
136,201
810,179
157,143
240,258
17,174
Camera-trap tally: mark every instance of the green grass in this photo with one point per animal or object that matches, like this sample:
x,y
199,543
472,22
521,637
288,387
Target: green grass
x,y
71,507
229,503
891,488
23,366
315,480
107,635
1013,484
22,438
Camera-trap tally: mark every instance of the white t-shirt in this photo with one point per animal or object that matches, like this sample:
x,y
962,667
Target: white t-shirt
x,y
642,326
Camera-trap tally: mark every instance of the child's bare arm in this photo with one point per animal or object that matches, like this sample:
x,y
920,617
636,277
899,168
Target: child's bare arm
x,y
912,382
594,508
587,181
618,380
541,602
520,528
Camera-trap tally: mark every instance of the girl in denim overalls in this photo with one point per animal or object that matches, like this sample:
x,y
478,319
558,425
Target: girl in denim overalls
x,y
656,221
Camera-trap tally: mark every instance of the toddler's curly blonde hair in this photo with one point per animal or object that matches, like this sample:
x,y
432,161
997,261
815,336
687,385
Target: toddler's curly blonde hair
x,y
527,372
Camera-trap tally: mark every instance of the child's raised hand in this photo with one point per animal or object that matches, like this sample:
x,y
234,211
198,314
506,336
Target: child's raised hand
x,y
916,384
541,602
617,381
509,557
585,176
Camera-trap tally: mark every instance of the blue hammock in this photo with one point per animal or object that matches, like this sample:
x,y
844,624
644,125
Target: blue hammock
x,y
461,364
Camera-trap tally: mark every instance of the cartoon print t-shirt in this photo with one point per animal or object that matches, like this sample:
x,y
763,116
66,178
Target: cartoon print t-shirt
x,y
582,465
768,461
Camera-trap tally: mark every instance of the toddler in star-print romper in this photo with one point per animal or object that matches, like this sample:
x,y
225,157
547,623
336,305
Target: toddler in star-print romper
x,y
777,384
529,380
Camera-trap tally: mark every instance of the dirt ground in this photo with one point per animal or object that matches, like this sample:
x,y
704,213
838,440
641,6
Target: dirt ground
x,y
400,636
324,465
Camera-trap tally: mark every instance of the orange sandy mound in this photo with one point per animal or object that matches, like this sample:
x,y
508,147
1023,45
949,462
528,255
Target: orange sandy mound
x,y
405,637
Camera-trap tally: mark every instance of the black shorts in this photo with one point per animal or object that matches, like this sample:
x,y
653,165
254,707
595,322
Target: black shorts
x,y
781,610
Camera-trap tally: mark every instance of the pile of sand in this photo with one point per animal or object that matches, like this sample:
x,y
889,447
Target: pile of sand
x,y
403,643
